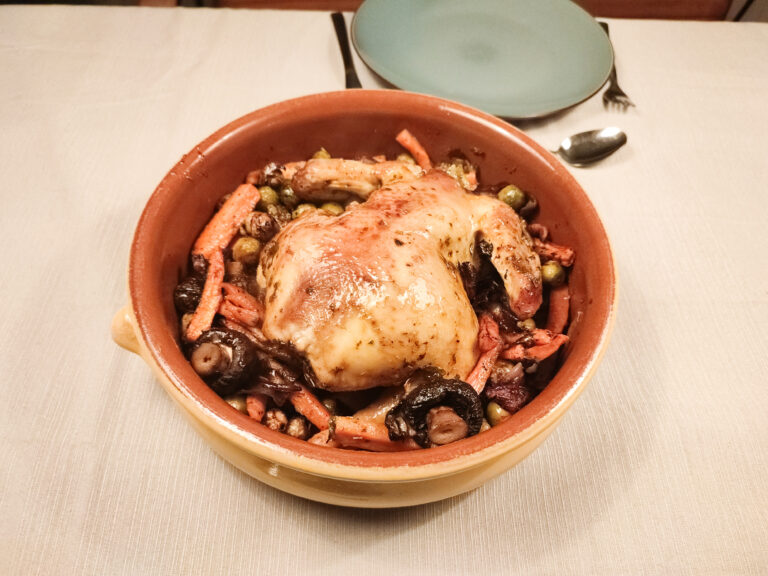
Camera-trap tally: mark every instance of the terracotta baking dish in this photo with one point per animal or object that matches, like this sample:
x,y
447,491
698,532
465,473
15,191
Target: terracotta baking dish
x,y
351,124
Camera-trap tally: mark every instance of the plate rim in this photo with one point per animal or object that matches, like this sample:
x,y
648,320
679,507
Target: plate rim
x,y
501,114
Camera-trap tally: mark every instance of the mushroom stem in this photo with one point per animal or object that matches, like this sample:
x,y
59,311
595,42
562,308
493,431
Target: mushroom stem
x,y
445,426
310,407
430,390
209,359
351,432
377,410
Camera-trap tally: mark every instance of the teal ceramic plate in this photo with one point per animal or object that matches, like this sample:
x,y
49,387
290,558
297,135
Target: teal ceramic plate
x,y
512,58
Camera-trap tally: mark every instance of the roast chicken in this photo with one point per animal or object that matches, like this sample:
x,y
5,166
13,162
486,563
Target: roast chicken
x,y
374,294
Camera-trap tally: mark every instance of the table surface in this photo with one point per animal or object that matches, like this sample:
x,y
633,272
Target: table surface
x,y
660,466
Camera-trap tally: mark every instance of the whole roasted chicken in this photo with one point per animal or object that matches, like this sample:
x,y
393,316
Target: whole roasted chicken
x,y
374,294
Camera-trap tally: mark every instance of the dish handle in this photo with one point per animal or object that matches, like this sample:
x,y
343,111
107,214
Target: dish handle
x,y
124,330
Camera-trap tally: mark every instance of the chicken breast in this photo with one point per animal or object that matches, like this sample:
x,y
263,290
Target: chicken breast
x,y
375,293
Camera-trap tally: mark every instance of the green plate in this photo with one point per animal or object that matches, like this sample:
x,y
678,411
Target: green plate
x,y
513,58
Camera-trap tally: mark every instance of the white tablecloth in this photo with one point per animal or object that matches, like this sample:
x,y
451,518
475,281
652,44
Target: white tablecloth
x,y
661,466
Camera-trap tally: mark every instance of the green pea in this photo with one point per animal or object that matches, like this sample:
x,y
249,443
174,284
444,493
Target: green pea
x,y
302,209
333,207
331,405
496,414
269,197
322,153
552,273
513,196
246,250
528,325
289,198
237,402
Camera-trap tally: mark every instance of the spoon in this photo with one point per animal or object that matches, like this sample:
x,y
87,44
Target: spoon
x,y
587,147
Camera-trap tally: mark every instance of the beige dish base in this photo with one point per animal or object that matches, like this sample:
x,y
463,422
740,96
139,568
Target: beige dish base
x,y
383,489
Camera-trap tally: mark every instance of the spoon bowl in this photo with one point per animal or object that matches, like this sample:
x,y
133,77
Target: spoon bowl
x,y
586,148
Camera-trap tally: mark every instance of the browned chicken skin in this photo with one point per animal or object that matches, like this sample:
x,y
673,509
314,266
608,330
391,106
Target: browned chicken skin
x,y
373,294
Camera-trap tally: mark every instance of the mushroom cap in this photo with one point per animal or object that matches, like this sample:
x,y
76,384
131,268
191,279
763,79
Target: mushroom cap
x,y
431,390
241,353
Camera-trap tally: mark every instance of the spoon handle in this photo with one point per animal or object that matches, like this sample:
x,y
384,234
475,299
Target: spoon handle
x,y
351,79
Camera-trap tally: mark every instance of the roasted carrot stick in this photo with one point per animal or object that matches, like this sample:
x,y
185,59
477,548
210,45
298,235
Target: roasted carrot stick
x,y
323,438
210,299
256,404
538,353
240,297
550,251
414,147
242,316
542,336
489,342
240,306
216,235
310,407
351,432
223,227
559,304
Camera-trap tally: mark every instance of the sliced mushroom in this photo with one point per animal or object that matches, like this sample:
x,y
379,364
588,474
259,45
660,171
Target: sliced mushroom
x,y
428,390
224,359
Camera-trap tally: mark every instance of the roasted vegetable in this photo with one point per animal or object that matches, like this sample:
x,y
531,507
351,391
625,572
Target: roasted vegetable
x,y
428,390
298,427
276,420
513,197
288,197
260,225
224,359
333,208
507,387
552,273
496,414
269,197
280,213
187,294
302,209
445,426
246,250
281,370
238,403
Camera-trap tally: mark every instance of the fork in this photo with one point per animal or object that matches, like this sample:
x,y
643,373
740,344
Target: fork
x,y
614,96
350,76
